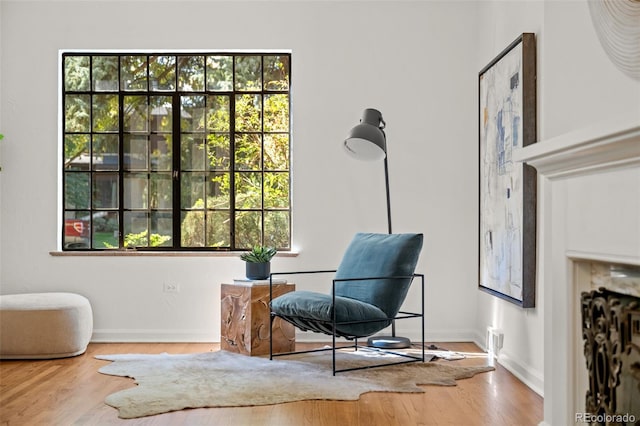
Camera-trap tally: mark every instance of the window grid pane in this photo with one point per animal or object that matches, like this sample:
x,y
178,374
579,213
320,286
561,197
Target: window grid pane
x,y
195,144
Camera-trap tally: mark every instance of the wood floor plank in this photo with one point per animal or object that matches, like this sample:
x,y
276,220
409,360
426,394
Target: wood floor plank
x,y
70,391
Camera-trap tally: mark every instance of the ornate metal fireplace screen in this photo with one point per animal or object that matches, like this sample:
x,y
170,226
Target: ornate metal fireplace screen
x,y
611,332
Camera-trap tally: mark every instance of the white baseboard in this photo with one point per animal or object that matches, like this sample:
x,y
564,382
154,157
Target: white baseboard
x,y
527,375
205,336
479,340
153,336
533,379
449,336
413,334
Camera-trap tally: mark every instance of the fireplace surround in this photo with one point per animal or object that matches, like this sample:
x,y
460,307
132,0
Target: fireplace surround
x,y
611,339
589,205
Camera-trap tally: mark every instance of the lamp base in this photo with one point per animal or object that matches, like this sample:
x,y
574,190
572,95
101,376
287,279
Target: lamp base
x,y
389,342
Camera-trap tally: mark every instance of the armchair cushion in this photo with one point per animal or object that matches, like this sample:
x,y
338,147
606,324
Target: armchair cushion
x,y
379,255
311,311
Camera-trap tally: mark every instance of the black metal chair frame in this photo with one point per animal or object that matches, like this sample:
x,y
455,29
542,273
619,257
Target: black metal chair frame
x,y
334,323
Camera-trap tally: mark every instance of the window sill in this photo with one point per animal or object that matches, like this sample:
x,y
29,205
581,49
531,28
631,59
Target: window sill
x,y
126,253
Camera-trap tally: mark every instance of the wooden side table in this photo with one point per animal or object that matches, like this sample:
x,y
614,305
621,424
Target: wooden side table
x,y
245,320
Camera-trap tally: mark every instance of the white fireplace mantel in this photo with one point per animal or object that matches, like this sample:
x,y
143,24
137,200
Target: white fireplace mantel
x,y
608,145
605,156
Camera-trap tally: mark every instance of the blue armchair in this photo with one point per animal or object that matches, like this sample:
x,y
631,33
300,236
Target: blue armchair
x,y
369,288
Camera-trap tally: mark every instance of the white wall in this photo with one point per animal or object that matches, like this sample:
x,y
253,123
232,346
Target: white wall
x,y
415,61
582,87
577,86
1,131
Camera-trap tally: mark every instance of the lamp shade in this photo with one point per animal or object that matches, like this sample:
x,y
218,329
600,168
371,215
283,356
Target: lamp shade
x,y
367,140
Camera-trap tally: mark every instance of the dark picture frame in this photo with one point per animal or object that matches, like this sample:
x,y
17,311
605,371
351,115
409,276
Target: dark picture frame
x,y
507,189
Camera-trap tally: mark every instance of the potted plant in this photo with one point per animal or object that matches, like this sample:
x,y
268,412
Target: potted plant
x,y
258,262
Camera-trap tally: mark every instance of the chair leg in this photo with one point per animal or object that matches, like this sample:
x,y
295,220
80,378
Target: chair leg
x,y
422,317
271,317
333,352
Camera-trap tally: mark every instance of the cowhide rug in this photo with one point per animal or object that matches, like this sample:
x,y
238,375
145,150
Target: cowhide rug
x,y
224,379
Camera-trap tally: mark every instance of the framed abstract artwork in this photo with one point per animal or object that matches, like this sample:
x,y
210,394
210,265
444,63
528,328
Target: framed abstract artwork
x,y
508,190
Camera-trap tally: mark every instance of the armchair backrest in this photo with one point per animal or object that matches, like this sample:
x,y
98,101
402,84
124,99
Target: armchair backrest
x,y
379,255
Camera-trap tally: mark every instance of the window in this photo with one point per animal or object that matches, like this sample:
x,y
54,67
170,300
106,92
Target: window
x,y
176,151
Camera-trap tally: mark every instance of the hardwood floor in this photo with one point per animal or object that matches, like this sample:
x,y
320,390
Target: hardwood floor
x,y
70,391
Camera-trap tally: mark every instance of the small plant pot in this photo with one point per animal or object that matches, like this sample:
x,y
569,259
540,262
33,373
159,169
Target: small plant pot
x,y
258,271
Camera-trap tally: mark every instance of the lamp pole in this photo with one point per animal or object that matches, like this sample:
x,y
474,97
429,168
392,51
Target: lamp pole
x,y
367,141
386,182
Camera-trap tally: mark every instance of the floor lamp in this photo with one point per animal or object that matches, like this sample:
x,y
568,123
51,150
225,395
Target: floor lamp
x,y
367,141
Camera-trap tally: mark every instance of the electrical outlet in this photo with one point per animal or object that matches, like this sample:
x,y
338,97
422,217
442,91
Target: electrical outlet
x,y
171,288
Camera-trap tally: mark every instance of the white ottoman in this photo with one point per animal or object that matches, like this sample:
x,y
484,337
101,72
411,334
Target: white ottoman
x,y
44,325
